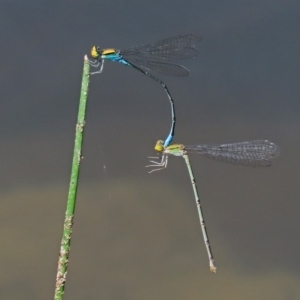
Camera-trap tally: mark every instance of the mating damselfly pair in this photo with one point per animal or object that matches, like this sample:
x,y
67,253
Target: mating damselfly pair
x,y
156,57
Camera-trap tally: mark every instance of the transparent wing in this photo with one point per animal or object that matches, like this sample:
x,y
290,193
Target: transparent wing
x,y
162,67
251,153
174,48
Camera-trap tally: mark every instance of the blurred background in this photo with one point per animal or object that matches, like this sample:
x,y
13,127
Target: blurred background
x,y
137,235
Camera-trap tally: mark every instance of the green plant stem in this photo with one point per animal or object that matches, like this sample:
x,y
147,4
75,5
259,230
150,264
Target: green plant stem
x,y
69,217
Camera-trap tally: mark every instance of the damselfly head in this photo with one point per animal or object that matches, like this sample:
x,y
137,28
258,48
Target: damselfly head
x,y
95,52
159,147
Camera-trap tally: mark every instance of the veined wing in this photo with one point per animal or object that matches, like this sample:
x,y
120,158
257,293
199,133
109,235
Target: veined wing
x,y
162,67
174,48
251,153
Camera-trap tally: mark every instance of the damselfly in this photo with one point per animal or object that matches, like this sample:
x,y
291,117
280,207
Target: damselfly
x,y
153,57
252,153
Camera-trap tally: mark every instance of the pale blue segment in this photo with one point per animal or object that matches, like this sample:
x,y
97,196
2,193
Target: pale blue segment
x,y
116,57
168,140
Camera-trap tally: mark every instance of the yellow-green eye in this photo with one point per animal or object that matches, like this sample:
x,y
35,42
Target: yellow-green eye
x,y
159,147
95,52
